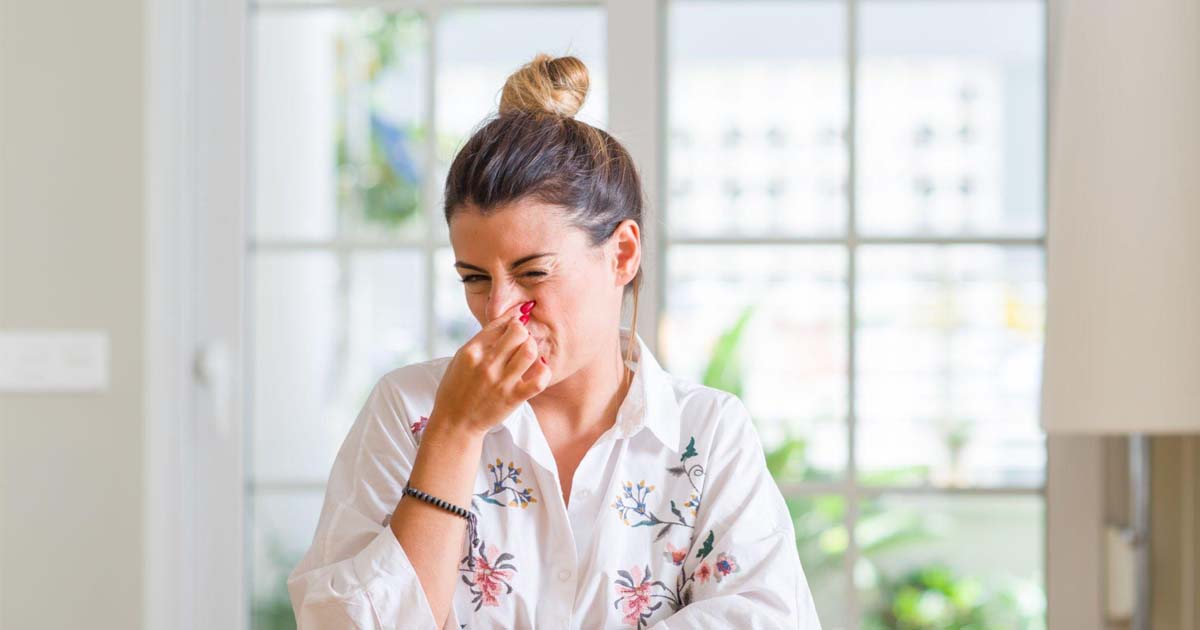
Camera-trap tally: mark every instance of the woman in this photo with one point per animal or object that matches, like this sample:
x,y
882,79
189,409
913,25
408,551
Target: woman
x,y
537,479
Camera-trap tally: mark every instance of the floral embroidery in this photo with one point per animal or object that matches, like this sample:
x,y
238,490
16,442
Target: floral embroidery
x,y
674,554
486,572
485,568
633,499
634,589
500,484
725,564
703,573
682,595
693,472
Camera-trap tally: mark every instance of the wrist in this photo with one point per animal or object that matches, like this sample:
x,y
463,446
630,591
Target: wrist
x,y
449,432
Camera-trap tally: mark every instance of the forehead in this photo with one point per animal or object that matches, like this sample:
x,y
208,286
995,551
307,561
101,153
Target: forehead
x,y
510,230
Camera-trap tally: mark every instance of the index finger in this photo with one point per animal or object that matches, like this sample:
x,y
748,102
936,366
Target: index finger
x,y
496,326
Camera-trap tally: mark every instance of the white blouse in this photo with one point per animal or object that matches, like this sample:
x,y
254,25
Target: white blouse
x,y
673,522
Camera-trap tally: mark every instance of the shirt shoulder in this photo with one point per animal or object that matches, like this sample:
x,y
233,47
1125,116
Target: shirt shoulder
x,y
415,384
707,411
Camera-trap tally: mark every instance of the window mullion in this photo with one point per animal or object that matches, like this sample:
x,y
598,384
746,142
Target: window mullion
x,y
854,612
635,114
429,184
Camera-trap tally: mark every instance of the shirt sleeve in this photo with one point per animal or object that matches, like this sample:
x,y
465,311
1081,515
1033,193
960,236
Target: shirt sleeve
x,y
744,566
355,574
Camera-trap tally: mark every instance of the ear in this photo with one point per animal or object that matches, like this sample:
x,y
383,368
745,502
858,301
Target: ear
x,y
625,251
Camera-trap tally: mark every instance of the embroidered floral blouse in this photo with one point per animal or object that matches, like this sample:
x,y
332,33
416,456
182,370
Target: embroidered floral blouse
x,y
673,521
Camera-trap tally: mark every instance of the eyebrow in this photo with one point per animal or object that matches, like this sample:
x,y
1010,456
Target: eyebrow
x,y
513,265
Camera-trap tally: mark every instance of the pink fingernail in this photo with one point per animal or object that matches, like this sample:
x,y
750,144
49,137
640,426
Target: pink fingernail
x,y
544,360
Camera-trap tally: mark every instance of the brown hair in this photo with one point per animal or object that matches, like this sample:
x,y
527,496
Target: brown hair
x,y
534,148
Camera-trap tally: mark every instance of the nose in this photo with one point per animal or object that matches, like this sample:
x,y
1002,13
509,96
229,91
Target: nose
x,y
502,299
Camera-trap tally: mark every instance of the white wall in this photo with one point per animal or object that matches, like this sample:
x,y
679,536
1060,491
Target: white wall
x,y
71,221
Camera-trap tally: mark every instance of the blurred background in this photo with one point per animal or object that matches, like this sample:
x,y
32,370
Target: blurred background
x,y
225,217
939,516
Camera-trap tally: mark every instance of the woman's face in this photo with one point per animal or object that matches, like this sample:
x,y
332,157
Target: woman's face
x,y
527,251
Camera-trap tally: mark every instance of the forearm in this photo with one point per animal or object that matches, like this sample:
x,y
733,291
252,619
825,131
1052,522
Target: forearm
x,y
445,467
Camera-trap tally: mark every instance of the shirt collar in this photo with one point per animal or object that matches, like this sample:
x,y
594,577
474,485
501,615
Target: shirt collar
x,y
650,401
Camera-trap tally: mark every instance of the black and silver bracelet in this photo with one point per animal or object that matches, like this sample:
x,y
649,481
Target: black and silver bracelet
x,y
445,505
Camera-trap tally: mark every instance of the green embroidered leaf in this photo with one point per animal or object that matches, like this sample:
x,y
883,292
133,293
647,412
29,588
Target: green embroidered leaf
x,y
676,510
676,470
707,548
640,524
663,532
491,500
690,451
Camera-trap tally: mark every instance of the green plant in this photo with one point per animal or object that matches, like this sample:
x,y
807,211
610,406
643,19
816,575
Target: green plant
x,y
935,597
273,609
927,598
378,175
930,598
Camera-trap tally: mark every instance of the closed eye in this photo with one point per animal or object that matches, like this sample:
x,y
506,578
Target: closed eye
x,y
478,278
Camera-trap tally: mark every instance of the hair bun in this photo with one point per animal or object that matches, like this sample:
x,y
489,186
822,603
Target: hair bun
x,y
553,85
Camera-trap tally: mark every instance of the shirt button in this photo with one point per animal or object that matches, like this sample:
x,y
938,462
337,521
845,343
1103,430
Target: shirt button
x,y
564,575
584,493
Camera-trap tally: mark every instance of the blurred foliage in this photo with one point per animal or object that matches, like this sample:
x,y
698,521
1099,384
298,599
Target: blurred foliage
x,y
380,180
930,598
935,597
273,611
926,598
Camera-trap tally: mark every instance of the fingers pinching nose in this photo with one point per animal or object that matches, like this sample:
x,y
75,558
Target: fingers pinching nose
x,y
525,308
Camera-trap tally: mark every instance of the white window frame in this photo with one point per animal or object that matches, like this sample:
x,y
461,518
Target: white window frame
x,y
196,143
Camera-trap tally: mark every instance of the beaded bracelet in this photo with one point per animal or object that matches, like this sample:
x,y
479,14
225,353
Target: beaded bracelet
x,y
445,505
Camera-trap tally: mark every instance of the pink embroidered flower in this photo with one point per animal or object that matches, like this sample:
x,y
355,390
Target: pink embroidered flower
x,y
703,573
488,578
419,424
675,554
725,564
635,596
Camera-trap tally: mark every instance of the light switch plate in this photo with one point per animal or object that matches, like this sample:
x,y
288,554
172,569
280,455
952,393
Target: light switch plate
x,y
50,361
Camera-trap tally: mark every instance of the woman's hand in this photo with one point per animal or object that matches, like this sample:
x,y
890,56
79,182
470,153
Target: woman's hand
x,y
483,383
490,375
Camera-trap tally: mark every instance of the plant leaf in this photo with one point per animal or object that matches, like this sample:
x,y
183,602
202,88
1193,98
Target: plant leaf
x,y
690,451
707,547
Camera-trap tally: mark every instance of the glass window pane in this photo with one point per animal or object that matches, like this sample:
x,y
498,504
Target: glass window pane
x,y
768,324
952,562
949,365
950,119
338,123
455,323
478,48
284,524
324,332
822,541
757,118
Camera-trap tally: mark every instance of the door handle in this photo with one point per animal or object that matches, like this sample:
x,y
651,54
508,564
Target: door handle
x,y
214,370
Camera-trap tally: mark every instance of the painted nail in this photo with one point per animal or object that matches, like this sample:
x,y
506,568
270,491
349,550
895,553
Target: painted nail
x,y
528,306
524,319
544,360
